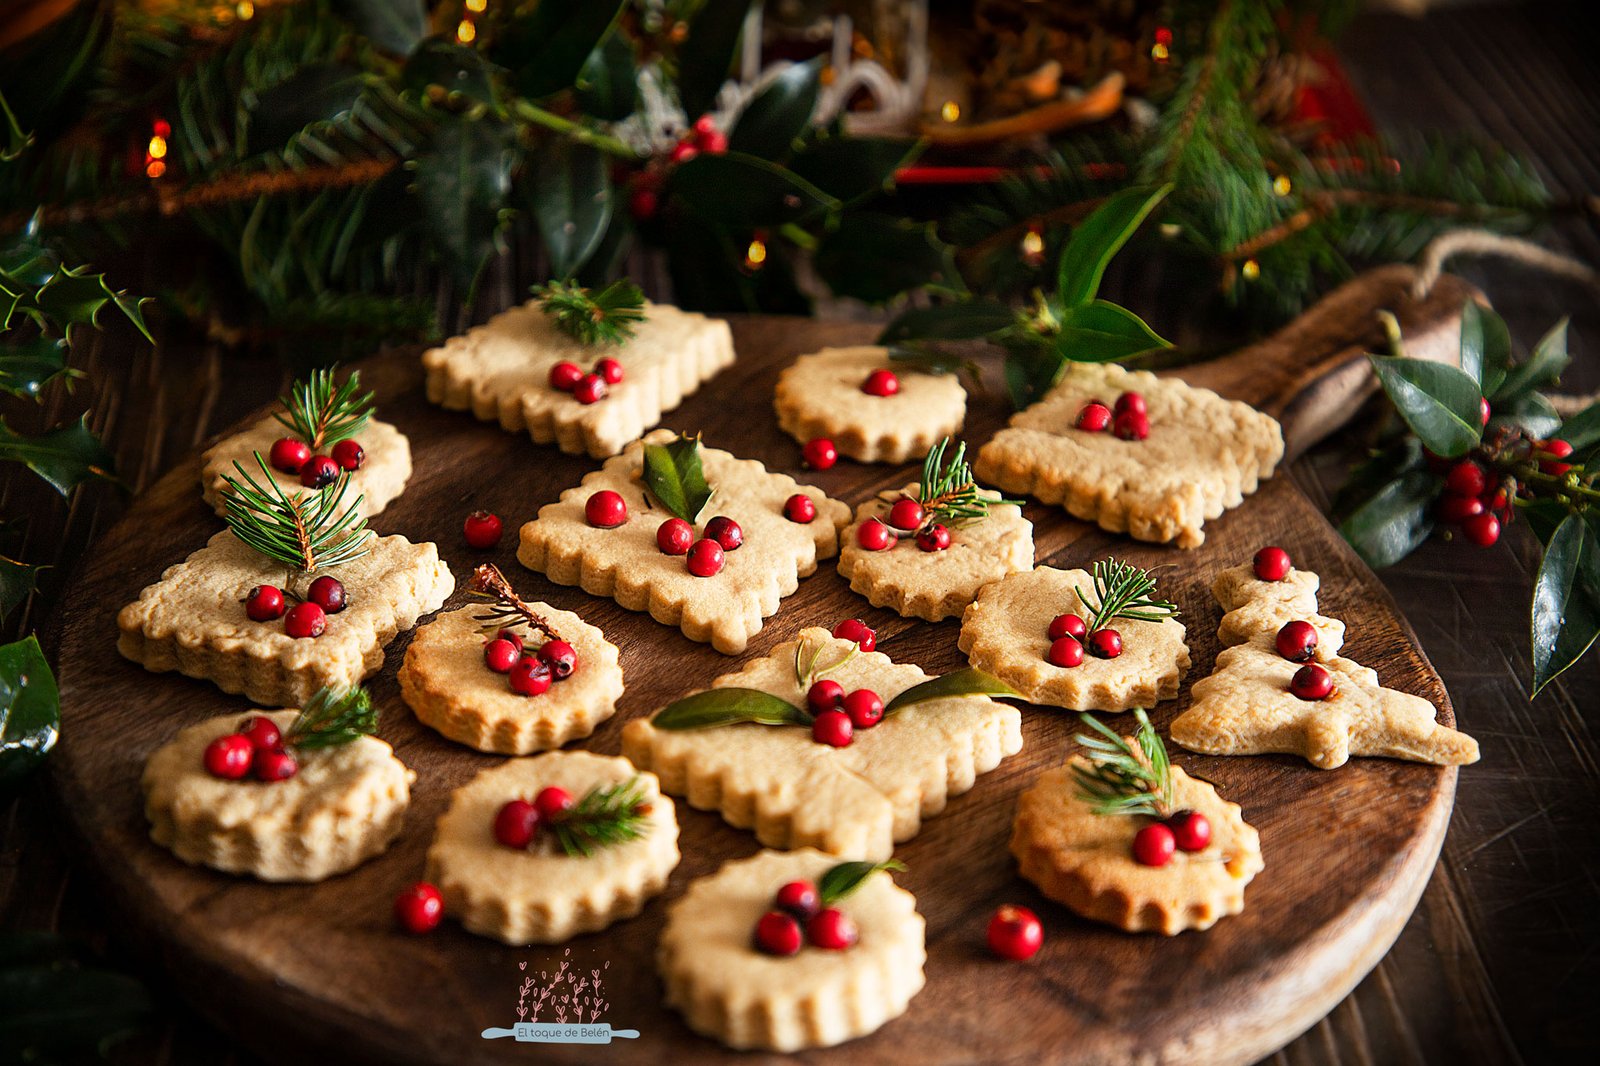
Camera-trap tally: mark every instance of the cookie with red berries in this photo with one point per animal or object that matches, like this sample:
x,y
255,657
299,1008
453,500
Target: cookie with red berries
x,y
873,409
1268,593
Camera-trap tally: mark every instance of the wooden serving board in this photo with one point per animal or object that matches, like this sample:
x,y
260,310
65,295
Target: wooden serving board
x,y
319,971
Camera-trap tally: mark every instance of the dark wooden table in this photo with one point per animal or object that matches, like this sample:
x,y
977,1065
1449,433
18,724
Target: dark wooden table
x,y
1502,959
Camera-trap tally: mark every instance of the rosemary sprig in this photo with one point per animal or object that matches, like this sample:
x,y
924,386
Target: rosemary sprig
x,y
604,317
321,412
506,608
604,816
331,718
305,531
1122,779
809,673
1122,590
948,492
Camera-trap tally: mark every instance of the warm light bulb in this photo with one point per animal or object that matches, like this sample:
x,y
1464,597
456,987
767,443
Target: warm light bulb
x,y
950,111
158,147
477,6
1281,185
756,254
1033,244
1251,270
245,10
155,168
466,32
1159,52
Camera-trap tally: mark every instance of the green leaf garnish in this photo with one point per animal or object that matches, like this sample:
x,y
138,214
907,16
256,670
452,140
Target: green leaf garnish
x,y
845,878
605,816
321,412
967,682
332,717
729,706
1100,237
1123,779
604,317
673,474
1440,403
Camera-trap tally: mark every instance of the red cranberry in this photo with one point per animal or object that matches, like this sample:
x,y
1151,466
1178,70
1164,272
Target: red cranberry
x,y
591,388
682,152
643,202
857,631
1105,644
501,655
833,728
553,802
705,558
704,126
327,592
512,637
482,530
935,538
305,620
832,930
1065,652
349,454
419,908
1130,403
864,708
1068,625
1297,641
1272,564
906,514
1458,509
262,732
1558,449
799,508
778,933
560,657
1481,529
1466,478
610,371
605,510
1093,417
516,824
530,676
819,453
674,536
825,696
1191,830
726,532
230,757
1483,410
875,536
272,764
1130,426
881,383
799,898
1154,844
289,455
565,376
319,472
1311,682
1015,933
713,143
264,603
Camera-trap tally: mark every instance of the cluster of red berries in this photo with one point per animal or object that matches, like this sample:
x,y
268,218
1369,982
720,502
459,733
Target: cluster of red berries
x,y
586,388
703,138
530,672
881,383
1015,933
419,908
292,456
517,822
1297,640
1069,637
1479,508
837,714
482,530
819,453
906,518
1128,419
1154,845
309,617
257,748
858,633
705,556
778,932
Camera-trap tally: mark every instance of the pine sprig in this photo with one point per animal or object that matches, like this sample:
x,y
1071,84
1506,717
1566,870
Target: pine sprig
x,y
1122,779
505,607
306,531
1122,590
948,492
603,817
331,718
806,670
604,317
322,412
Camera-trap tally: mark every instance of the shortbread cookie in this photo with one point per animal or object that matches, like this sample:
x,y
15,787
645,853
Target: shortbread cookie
x,y
500,371
1255,606
193,619
541,894
858,800
1006,632
1203,454
729,990
627,564
342,806
824,395
385,465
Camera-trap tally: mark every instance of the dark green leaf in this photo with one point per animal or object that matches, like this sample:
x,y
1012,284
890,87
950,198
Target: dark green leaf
x,y
1566,600
1100,332
845,878
1394,521
1032,367
453,67
1440,403
741,192
64,457
967,320
571,197
673,474
1544,517
875,257
608,84
73,298
853,168
545,49
1583,429
17,582
55,1011
1533,412
30,709
1485,345
728,706
934,360
393,25
27,367
321,92
16,139
707,54
777,114
1399,457
462,180
965,682
1099,237
1542,367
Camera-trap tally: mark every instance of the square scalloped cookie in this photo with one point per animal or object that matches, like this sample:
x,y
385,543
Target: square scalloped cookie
x,y
1205,454
500,371
380,479
819,395
624,563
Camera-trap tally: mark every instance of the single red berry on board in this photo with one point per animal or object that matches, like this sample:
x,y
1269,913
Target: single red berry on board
x,y
1483,410
1297,641
1154,844
935,538
319,472
1065,652
825,696
273,765
565,376
1311,682
726,532
832,930
1191,830
1130,403
819,453
289,455
864,708
530,676
1105,644
1560,449
501,655
907,515
591,388
799,898
1481,529
328,593
349,454
419,908
610,371
682,152
833,728
674,536
1466,478
1015,933
881,383
553,802
854,629
1130,426
560,657
1272,564
516,823
706,558
230,757
778,933
799,508
1459,508
875,536
264,603
605,510
305,620
1093,417
262,732
482,530
1068,625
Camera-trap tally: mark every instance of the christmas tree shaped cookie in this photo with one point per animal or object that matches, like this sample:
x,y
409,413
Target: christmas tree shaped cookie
x,y
821,743
1274,693
1264,595
538,850
926,551
588,372
324,428
695,536
872,410
1147,456
784,951
294,596
1086,642
283,796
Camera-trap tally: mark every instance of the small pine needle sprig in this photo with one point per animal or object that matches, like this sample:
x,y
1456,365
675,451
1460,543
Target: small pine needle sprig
x,y
331,718
1122,590
949,493
605,317
506,608
321,412
1121,778
806,670
603,817
305,531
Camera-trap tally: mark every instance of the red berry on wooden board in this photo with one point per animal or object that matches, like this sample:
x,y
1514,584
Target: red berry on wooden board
x,y
261,732
349,454
1191,830
799,508
1130,426
935,538
305,620
778,933
1065,652
799,898
864,708
289,455
832,930
819,453
907,514
1154,844
560,657
881,383
553,802
273,765
674,536
1272,564
1466,478
706,558
726,532
1297,641
1068,625
1560,449
565,376
264,603
591,388
516,823
229,757
419,908
1458,509
482,530
1312,682
833,728
530,676
825,695
1130,403
1015,933
1481,529
319,472
1105,644
875,536
501,655
610,371
605,510
857,631
1483,410
328,593
1093,417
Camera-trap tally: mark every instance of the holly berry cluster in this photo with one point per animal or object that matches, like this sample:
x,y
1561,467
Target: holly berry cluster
x,y
530,672
321,414
881,382
606,815
837,714
1510,464
703,138
327,720
705,555
803,912
256,749
1135,778
1297,640
1121,590
906,518
947,496
308,618
1069,637
1155,844
1128,418
517,822
294,457
586,388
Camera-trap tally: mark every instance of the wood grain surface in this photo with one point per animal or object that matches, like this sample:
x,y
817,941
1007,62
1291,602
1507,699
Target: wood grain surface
x,y
307,969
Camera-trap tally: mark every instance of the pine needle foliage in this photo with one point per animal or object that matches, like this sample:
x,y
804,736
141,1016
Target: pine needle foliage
x,y
305,531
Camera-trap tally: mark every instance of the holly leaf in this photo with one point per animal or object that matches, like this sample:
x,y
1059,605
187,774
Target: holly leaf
x,y
852,169
967,320
728,706
845,878
1582,430
1382,466
1031,368
28,367
462,181
318,92
1440,403
1102,332
545,49
706,54
741,192
1098,238
875,257
1542,367
966,682
30,709
55,1010
779,113
1485,345
17,582
608,83
571,198
673,474
1566,600
1533,412
1394,520
396,26
64,457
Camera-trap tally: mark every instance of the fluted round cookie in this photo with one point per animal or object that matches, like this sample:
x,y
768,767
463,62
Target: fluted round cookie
x,y
1006,633
541,895
728,990
343,806
937,584
380,479
445,682
819,395
1085,860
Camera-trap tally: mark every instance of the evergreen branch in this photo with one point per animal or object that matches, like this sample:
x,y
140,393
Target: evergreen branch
x,y
305,531
1122,590
1121,779
322,413
948,492
506,607
331,718
606,317
603,817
